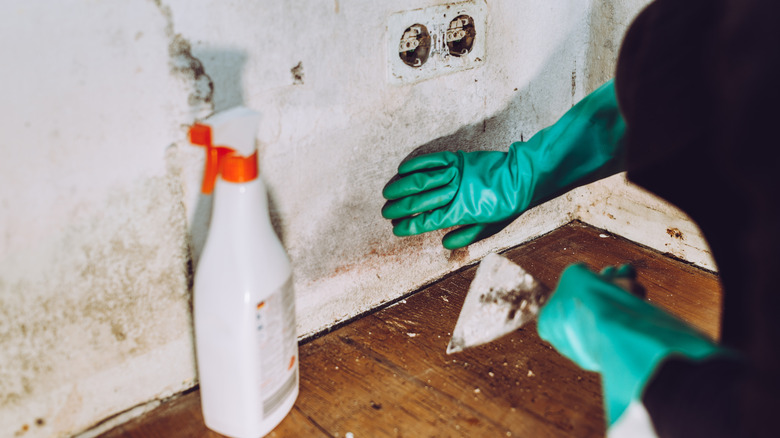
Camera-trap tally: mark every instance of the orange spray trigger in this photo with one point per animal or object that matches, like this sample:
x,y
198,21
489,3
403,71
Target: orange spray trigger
x,y
229,139
201,135
221,160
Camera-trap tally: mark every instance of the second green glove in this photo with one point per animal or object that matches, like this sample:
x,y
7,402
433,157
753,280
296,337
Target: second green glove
x,y
485,191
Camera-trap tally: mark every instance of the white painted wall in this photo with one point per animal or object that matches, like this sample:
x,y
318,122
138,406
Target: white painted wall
x,y
100,216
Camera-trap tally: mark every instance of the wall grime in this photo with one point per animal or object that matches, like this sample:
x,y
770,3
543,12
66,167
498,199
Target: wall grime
x,y
89,309
94,281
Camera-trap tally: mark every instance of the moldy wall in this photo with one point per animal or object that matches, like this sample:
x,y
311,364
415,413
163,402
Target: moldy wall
x,y
101,220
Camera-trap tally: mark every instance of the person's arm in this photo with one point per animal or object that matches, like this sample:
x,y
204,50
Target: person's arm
x,y
687,398
603,328
484,191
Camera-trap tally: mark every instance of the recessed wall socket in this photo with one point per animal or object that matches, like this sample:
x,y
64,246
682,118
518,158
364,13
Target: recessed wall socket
x,y
430,42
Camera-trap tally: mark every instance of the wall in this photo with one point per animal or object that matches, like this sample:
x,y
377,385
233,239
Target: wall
x,y
102,222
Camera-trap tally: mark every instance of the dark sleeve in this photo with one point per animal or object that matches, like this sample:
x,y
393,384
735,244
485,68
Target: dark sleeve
x,y
697,83
687,399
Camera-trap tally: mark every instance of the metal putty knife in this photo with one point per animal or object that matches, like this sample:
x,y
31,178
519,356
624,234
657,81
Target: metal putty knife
x,y
502,298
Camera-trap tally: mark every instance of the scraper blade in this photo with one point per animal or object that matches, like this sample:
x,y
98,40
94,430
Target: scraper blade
x,y
502,298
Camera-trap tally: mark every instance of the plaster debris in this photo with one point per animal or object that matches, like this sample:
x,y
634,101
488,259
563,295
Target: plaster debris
x,y
491,374
412,335
477,391
531,373
603,235
349,435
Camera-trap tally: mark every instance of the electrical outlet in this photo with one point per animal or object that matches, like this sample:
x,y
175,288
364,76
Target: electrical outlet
x,y
430,42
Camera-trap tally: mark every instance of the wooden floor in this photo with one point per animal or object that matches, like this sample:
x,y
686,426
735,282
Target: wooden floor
x,y
387,374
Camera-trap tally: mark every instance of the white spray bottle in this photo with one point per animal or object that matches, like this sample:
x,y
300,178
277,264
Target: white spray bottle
x,y
244,308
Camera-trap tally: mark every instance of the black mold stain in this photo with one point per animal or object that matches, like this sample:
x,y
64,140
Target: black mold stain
x,y
184,64
190,68
297,73
573,82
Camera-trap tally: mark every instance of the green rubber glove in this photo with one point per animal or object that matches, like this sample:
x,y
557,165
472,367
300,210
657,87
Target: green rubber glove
x,y
603,328
485,191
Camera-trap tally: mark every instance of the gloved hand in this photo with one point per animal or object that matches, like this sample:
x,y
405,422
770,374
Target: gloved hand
x,y
485,191
603,328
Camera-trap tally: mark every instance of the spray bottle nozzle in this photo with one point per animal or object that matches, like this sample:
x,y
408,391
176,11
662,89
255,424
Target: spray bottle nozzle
x,y
236,160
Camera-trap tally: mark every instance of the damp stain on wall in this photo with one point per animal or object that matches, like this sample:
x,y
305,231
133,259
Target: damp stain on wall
x,y
113,287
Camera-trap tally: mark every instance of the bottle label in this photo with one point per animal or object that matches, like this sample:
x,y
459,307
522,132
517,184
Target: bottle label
x,y
278,347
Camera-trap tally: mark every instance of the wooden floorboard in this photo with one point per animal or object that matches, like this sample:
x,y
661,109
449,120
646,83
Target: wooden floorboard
x,y
387,374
